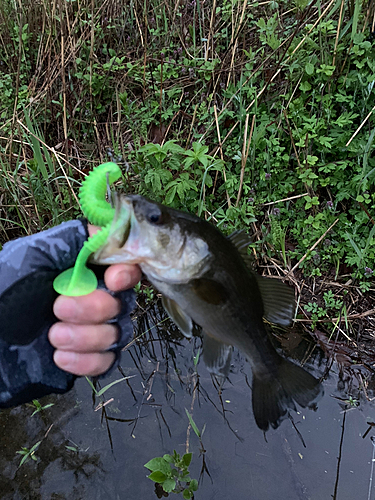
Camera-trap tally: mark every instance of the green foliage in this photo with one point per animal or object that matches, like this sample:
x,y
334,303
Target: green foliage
x,y
173,174
172,112
172,473
331,306
105,388
38,407
147,291
27,453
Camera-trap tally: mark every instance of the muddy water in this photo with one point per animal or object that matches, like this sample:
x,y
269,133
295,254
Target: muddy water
x,y
88,454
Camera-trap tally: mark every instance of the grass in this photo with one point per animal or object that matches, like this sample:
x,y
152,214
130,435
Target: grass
x,y
254,116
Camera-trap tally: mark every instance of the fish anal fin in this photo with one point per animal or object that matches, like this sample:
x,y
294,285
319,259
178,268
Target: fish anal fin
x,y
216,356
178,316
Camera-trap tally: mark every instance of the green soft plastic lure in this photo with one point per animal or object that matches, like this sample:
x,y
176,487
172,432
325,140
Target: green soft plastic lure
x,y
79,280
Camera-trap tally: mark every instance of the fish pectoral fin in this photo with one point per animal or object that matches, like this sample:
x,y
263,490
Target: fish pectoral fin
x,y
210,291
216,356
178,316
278,301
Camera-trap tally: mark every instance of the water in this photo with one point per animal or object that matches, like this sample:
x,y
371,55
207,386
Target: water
x,y
317,455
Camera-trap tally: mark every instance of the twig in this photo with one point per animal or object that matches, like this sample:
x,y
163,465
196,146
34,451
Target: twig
x,y
245,154
332,320
282,66
359,128
337,34
291,138
284,199
221,153
192,124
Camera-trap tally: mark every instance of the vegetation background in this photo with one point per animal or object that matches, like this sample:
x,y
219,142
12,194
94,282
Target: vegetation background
x,y
254,115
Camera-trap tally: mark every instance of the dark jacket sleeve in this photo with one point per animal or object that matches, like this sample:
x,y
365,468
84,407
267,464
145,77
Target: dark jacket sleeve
x,y
28,267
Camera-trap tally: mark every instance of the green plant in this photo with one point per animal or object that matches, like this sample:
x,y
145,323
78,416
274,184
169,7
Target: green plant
x,y
100,392
191,169
316,312
172,473
148,292
38,407
27,453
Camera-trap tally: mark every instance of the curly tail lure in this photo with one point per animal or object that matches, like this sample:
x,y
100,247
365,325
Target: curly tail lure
x,y
79,280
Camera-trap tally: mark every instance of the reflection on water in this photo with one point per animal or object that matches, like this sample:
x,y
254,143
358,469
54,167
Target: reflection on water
x,y
88,454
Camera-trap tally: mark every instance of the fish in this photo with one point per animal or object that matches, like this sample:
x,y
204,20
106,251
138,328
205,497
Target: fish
x,y
206,279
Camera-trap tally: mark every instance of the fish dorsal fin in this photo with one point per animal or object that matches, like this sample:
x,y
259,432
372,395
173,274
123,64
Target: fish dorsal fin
x,y
278,300
216,356
241,241
177,315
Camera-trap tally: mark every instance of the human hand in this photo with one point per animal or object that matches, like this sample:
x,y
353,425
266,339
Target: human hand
x,y
28,267
82,336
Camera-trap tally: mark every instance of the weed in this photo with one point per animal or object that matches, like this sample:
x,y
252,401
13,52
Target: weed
x,y
105,388
172,473
27,453
38,407
169,93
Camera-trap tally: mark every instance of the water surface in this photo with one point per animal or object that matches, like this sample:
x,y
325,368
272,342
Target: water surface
x,y
313,455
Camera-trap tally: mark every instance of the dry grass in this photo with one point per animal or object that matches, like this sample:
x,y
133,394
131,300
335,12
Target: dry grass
x,y
77,119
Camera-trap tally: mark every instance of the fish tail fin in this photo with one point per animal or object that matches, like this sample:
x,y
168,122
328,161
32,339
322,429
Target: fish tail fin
x,y
273,396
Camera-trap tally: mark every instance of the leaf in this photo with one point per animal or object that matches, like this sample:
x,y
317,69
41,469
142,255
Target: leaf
x,y
169,485
355,246
187,494
36,146
91,384
193,485
186,459
24,459
159,464
305,86
171,193
168,458
71,448
102,391
309,68
193,424
35,446
157,476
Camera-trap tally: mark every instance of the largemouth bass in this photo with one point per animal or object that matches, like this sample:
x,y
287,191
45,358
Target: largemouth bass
x,y
205,278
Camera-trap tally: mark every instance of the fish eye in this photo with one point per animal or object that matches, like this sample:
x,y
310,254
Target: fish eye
x,y
155,217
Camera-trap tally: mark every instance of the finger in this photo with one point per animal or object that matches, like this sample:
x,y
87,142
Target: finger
x,y
97,307
92,229
122,276
89,364
119,276
82,338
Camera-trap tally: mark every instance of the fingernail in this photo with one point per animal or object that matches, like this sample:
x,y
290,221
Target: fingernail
x,y
61,335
